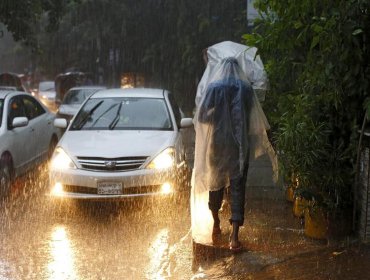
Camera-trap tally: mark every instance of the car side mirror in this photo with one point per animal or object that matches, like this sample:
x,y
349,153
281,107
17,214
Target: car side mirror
x,y
186,122
60,123
19,122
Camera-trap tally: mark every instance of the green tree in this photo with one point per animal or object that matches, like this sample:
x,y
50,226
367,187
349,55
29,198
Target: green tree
x,y
320,50
21,16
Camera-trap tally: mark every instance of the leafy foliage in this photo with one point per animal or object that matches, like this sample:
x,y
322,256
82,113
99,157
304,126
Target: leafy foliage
x,y
316,55
21,16
300,140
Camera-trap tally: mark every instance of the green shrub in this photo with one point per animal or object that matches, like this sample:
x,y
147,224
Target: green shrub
x,y
316,57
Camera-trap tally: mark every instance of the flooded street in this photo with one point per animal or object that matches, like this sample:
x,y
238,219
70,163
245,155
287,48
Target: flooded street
x,y
151,239
132,240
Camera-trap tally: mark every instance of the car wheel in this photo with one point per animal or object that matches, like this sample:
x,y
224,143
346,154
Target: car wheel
x,y
5,178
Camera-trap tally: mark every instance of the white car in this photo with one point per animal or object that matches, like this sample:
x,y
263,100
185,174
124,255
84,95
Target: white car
x,y
27,135
46,93
122,143
7,88
73,99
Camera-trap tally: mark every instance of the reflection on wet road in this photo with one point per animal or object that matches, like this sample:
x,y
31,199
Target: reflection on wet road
x,y
137,239
61,265
158,252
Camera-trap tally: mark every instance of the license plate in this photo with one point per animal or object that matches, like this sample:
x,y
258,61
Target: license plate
x,y
109,188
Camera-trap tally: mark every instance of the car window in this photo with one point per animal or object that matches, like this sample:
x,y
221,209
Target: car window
x,y
123,113
16,109
77,96
175,109
32,107
1,110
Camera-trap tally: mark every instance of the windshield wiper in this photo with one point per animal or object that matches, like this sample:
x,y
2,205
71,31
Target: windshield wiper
x,y
84,120
101,115
113,124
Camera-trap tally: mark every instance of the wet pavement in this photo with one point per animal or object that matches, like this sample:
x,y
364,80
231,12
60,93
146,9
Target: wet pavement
x,y
137,239
151,239
275,247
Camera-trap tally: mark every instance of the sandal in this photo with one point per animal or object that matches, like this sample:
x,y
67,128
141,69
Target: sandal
x,y
237,248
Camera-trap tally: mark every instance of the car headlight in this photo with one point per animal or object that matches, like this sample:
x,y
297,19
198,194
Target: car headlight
x,y
60,160
165,159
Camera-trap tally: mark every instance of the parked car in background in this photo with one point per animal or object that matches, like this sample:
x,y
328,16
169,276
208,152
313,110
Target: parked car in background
x,y
7,88
27,135
66,81
14,80
46,93
73,99
122,143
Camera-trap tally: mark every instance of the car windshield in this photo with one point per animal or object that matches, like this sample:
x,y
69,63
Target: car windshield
x,y
77,96
1,110
46,86
126,113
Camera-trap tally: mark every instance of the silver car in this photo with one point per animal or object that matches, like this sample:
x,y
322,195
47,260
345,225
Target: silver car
x,y
46,93
27,135
73,99
122,143
8,88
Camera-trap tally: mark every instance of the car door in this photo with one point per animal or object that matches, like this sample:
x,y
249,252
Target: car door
x,y
18,138
40,123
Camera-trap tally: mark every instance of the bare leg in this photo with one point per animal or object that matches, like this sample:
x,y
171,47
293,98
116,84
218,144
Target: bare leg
x,y
215,201
237,190
234,237
216,224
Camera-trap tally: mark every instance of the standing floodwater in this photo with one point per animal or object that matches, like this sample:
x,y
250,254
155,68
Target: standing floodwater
x,y
137,239
151,240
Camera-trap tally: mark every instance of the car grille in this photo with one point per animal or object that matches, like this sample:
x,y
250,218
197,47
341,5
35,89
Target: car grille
x,y
79,189
128,191
111,164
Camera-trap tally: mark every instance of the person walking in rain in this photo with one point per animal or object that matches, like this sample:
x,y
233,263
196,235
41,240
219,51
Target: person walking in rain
x,y
230,129
225,111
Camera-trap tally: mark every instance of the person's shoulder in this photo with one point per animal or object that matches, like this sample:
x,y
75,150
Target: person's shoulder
x,y
230,83
223,83
245,85
217,84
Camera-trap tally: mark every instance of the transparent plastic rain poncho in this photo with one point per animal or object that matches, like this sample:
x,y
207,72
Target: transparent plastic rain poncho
x,y
230,130
250,63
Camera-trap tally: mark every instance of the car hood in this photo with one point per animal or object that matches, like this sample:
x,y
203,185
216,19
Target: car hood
x,y
118,143
69,109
